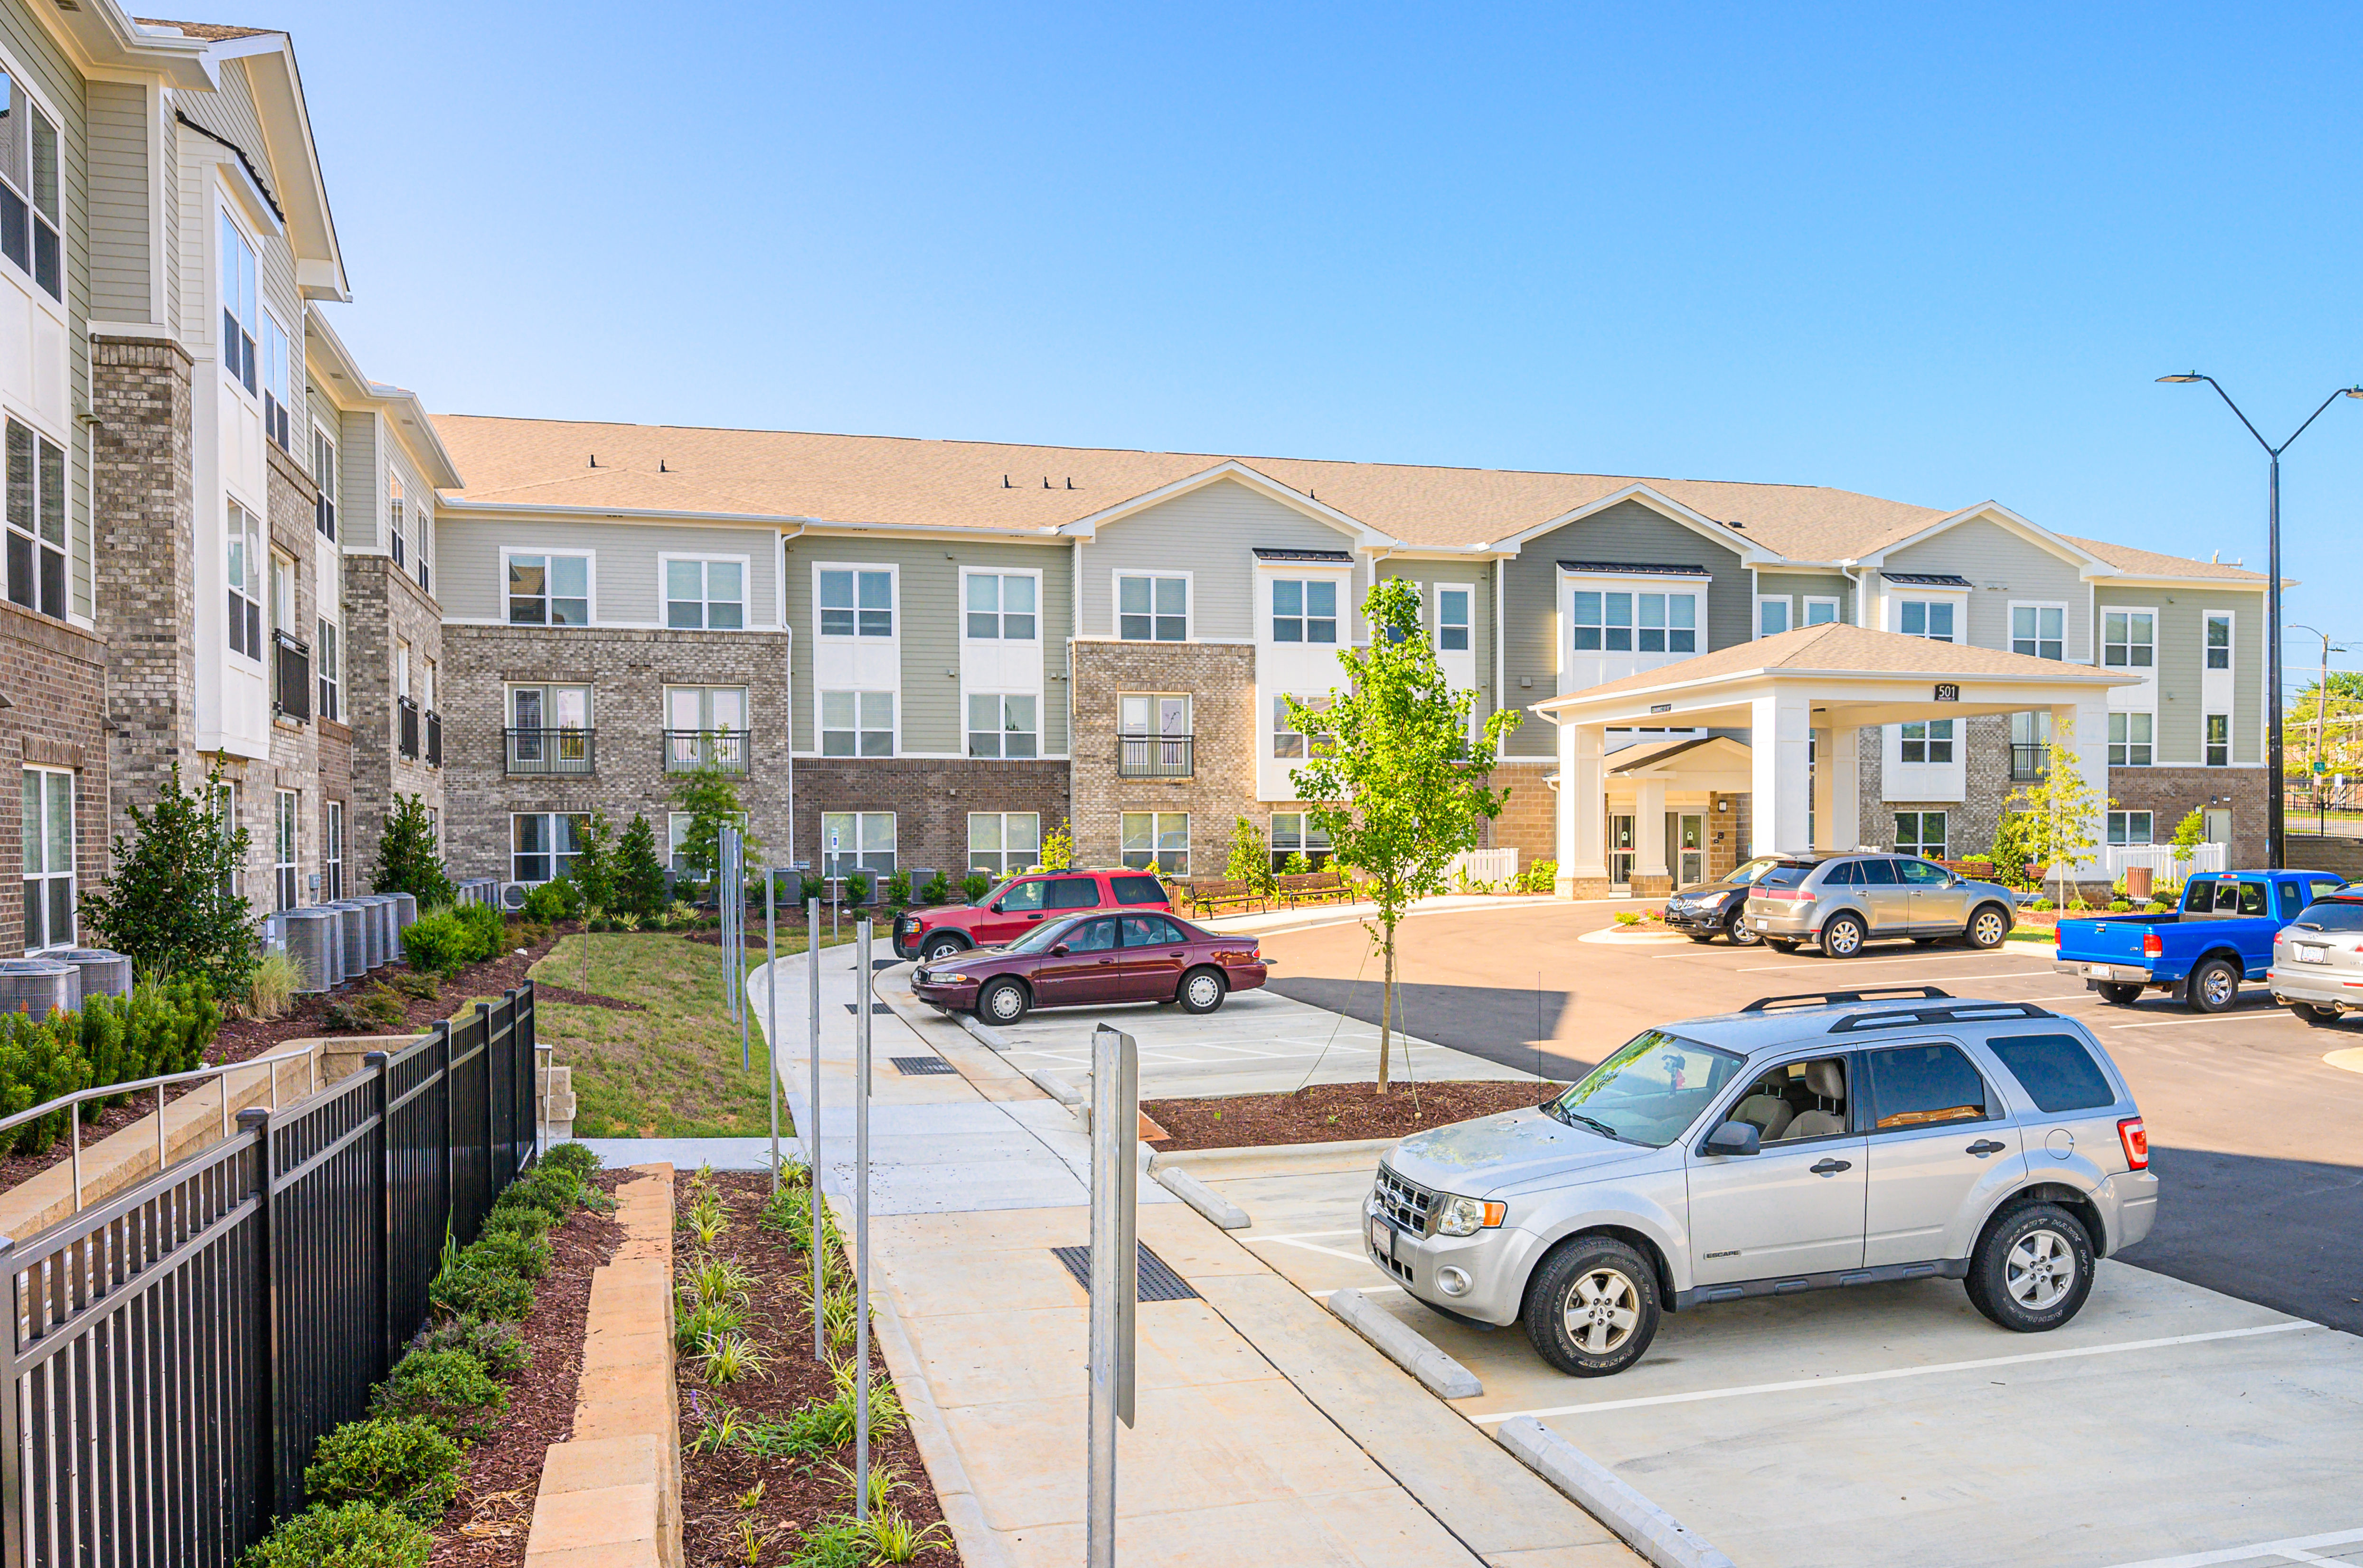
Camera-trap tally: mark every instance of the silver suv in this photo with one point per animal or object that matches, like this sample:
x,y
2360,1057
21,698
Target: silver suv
x,y
1840,1138
1844,900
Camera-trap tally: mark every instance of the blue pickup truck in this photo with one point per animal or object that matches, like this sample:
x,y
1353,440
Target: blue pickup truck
x,y
2221,935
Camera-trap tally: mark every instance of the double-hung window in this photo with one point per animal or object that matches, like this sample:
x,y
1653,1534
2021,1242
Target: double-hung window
x,y
246,565
1622,621
2129,639
422,534
1921,833
2218,642
545,845
330,672
1303,610
37,521
1157,841
29,217
324,475
49,840
2129,740
856,841
233,882
549,590
857,723
855,604
1004,842
2129,827
1929,618
2219,740
1001,606
1293,834
1821,612
332,855
1771,617
1452,620
241,317
706,595
276,419
1927,740
287,805
1154,609
396,539
1004,724
2039,630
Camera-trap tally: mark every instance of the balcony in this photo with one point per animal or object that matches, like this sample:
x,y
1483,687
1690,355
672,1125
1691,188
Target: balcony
x,y
548,751
1154,756
291,685
406,712
2030,762
434,738
686,750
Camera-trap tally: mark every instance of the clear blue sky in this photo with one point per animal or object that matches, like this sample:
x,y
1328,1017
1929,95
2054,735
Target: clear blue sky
x,y
1936,256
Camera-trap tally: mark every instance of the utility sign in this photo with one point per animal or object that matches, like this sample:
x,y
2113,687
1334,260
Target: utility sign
x,y
1948,692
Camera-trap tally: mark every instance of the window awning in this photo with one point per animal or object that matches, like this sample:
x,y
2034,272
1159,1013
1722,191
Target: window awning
x,y
1926,579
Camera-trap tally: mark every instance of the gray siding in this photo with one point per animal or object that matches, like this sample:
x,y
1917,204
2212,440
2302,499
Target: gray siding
x,y
1474,575
121,247
170,217
360,502
2002,566
1625,532
2182,641
231,113
1799,586
1212,533
415,490
626,588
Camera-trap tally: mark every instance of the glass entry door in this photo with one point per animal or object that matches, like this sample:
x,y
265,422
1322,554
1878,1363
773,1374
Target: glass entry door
x,y
1620,849
1686,843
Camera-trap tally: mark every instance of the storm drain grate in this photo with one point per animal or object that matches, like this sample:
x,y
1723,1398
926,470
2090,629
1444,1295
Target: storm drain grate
x,y
1158,1281
915,1066
877,1008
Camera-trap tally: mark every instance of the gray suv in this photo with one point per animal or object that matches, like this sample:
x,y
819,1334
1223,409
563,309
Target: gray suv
x,y
1844,900
1836,1139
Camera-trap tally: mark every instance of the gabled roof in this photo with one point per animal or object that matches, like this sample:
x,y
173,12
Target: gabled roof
x,y
2149,563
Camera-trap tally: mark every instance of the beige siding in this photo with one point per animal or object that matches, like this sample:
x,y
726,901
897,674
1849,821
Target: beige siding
x,y
2002,567
359,525
1474,575
415,489
230,114
1212,533
1797,587
120,243
170,221
2182,659
627,587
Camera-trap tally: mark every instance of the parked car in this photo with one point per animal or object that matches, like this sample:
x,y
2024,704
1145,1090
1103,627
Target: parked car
x,y
2221,935
2317,971
1842,901
1087,960
1841,1138
1714,908
1020,905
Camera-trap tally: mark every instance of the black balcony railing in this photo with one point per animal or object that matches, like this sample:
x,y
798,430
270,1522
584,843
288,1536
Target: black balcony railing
x,y
687,749
291,695
406,712
2030,762
1154,756
434,738
548,751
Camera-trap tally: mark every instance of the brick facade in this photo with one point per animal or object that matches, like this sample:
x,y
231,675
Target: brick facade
x,y
930,799
53,677
1970,823
1221,681
384,603
1529,818
2169,794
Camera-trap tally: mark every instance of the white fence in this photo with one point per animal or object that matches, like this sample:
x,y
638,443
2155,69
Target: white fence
x,y
2167,863
1483,866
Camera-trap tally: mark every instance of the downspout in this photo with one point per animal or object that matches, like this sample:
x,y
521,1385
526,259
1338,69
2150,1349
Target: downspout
x,y
1501,680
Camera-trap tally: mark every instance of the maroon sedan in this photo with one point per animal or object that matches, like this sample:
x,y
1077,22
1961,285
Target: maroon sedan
x,y
1095,959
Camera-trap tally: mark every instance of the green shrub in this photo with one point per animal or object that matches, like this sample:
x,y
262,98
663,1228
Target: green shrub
x,y
517,1219
938,891
857,887
1542,877
898,890
488,932
553,901
639,874
2044,904
809,887
407,860
422,988
553,1189
976,886
449,1388
525,1256
2119,906
499,1346
525,932
406,1466
474,1286
344,1535
168,904
575,1157
439,944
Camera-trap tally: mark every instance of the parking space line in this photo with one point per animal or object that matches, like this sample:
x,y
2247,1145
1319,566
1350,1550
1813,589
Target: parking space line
x,y
2298,1548
1365,1289
1300,1235
1897,1371
1860,962
1326,1252
1933,979
2210,1018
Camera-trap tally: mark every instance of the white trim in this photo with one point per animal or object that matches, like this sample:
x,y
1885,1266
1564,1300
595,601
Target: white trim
x,y
959,608
1893,596
1788,603
1750,552
893,592
1189,606
1231,469
1835,602
1994,512
858,693
1617,574
2101,613
2010,626
501,588
746,590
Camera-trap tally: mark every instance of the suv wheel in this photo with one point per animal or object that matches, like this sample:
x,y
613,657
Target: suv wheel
x,y
1202,991
1591,1309
2033,1270
1736,928
1988,927
1003,1001
939,948
2214,985
1843,936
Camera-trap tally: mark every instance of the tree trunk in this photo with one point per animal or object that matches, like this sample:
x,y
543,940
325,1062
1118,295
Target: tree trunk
x,y
1386,1008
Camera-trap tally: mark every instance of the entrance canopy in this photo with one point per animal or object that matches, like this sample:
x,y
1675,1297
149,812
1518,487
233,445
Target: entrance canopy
x,y
1830,681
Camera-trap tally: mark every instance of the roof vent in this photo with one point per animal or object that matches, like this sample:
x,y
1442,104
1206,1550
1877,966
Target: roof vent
x,y
594,460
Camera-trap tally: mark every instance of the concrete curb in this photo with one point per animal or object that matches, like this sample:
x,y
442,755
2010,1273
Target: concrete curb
x,y
979,1545
1618,936
1346,1154
1646,1528
1202,1199
1437,1372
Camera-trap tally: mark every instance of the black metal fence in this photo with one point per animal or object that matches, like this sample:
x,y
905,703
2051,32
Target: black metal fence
x,y
172,1355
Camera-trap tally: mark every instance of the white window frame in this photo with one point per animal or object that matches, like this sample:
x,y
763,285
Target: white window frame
x,y
822,729
1466,626
1304,839
224,804
1919,844
2121,827
283,593
324,467
1695,588
1156,701
278,405
1824,601
554,854
37,835
545,554
332,853
42,223
1153,856
860,856
2100,633
2039,606
1928,740
666,561
2206,640
1001,614
1788,610
286,845
422,533
47,584
1009,858
2214,754
1189,603
1001,701
239,299
397,544
893,603
1337,619
243,543
1957,606
2120,752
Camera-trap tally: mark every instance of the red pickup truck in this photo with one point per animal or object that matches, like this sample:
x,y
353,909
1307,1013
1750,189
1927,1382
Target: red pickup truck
x,y
1020,904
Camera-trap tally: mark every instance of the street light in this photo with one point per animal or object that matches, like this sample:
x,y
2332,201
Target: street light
x,y
2274,810
2320,722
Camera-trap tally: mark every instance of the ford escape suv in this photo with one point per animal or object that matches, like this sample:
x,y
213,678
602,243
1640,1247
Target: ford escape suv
x,y
1809,1142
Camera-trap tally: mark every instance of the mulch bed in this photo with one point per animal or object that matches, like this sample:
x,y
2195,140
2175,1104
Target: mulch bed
x,y
797,1493
487,1523
1335,1113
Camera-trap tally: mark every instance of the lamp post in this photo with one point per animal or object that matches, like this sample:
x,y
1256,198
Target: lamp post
x,y
2321,722
2277,797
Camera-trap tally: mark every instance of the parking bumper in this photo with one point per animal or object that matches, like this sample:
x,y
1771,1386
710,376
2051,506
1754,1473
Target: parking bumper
x,y
2108,974
2306,984
1496,1261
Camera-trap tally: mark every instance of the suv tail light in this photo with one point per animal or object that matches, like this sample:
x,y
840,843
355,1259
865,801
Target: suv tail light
x,y
2153,945
1784,895
2135,1138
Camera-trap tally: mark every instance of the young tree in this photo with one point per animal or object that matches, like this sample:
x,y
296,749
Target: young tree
x,y
595,863
171,904
1059,848
1250,856
2190,833
639,874
2058,814
710,796
1399,783
406,858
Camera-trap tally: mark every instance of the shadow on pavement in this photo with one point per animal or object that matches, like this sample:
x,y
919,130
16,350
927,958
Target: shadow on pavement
x,y
1484,1021
2286,1234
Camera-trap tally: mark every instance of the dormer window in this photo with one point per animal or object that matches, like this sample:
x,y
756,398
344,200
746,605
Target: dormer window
x,y
241,317
29,188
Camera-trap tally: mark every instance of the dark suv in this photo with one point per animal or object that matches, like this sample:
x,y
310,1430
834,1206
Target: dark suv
x,y
1020,904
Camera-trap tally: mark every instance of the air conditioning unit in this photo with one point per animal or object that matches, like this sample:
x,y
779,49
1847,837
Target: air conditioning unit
x,y
352,926
316,942
513,895
377,923
104,974
37,985
405,913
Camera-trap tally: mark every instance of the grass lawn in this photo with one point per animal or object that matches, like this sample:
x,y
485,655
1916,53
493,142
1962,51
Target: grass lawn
x,y
670,1071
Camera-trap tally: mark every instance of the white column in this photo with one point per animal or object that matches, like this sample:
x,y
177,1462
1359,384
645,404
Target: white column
x,y
1782,782
1823,826
1840,762
1582,803
1650,807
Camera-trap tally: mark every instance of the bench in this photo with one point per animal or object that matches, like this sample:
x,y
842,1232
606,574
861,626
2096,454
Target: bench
x,y
1208,895
1308,886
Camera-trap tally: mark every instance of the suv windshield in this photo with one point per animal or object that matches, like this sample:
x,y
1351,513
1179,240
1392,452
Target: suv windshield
x,y
1747,875
1784,874
1649,1090
1043,937
2333,914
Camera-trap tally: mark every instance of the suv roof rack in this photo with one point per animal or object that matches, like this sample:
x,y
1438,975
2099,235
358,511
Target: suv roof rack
x,y
1838,998
1956,1012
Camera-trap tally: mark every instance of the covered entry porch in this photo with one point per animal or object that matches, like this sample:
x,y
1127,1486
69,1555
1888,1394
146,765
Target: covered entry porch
x,y
1801,694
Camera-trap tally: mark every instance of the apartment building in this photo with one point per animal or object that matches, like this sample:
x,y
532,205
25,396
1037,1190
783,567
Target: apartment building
x,y
932,653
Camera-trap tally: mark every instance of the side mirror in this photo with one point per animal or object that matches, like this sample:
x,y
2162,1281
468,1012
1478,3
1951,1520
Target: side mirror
x,y
1058,950
994,906
1734,1138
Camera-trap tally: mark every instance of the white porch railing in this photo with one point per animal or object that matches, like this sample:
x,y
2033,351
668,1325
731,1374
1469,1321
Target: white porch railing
x,y
1472,866
2166,862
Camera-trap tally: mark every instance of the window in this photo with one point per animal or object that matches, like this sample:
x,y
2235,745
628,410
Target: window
x,y
426,683
1771,617
549,729
1821,612
1918,1086
1154,609
1452,620
2055,1070
283,594
49,859
2039,630
1304,610
705,726
858,841
549,591
1153,713
246,568
323,474
37,520
1929,618
1927,740
2128,639
285,804
274,382
677,826
2219,740
1157,841
1002,606
708,595
2218,642
2129,827
422,530
397,542
857,723
1292,833
856,603
544,846
1137,890
2129,740
1636,623
2030,746
226,811
1149,931
401,667
1004,842
240,315
332,855
1921,833
1003,725
29,200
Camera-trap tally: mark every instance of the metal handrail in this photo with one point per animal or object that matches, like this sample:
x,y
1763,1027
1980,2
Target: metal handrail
x,y
110,1091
